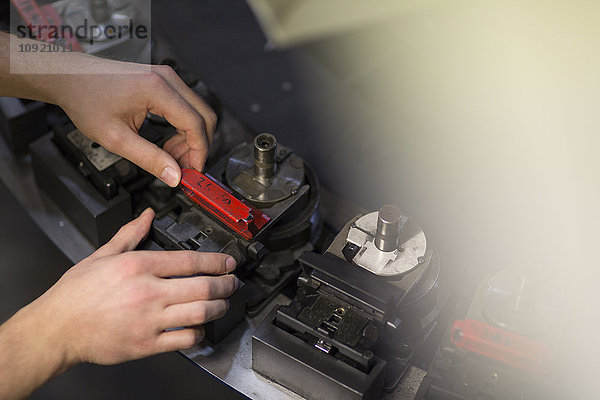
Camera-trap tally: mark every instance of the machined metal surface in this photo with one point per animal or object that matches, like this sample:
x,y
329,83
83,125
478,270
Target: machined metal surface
x,y
231,362
522,304
341,306
98,155
17,174
273,183
265,150
407,255
389,220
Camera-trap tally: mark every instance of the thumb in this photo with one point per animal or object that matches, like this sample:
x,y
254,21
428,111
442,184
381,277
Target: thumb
x,y
129,236
148,156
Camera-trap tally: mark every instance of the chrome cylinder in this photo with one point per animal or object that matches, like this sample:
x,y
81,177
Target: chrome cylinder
x,y
388,228
265,147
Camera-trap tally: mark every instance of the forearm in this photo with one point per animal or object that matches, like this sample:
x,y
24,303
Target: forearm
x,y
46,76
108,101
92,314
15,77
29,353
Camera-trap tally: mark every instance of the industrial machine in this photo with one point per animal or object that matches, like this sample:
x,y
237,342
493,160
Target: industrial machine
x,y
363,302
258,203
363,309
502,347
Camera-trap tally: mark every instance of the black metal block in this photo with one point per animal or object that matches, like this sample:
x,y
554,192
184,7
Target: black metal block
x,y
97,218
215,331
21,122
309,371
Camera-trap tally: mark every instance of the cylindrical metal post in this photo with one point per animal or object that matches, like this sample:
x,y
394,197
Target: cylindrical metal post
x,y
265,147
388,228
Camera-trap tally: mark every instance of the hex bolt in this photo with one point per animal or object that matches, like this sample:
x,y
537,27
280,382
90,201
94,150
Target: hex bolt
x,y
265,147
388,228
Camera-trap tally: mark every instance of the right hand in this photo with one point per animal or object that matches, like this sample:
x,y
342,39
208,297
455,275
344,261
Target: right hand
x,y
109,101
116,305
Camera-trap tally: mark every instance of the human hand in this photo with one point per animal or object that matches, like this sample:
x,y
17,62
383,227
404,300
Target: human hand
x,y
110,100
116,306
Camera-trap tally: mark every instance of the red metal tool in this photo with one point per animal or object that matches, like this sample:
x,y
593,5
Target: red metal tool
x,y
33,17
499,344
53,18
212,196
36,16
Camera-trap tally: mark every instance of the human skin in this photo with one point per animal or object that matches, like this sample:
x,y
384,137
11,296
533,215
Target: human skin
x,y
114,306
117,304
108,101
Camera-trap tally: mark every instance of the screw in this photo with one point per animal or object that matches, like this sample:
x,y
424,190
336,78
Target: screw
x,y
340,311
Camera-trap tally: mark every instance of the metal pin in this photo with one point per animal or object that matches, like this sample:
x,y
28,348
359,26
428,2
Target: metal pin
x,y
265,146
388,228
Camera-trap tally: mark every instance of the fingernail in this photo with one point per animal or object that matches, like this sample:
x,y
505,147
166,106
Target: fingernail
x,y
227,302
170,177
230,264
236,282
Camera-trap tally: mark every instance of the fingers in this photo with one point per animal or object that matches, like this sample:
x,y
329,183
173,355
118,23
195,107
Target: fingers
x,y
195,313
146,155
163,93
167,102
180,339
186,290
191,97
129,236
178,147
185,263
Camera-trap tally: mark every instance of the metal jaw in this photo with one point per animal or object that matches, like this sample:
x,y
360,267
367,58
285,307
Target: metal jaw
x,y
264,172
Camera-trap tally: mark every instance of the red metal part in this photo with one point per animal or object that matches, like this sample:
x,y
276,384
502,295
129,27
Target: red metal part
x,y
33,17
44,16
499,344
55,19
209,194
